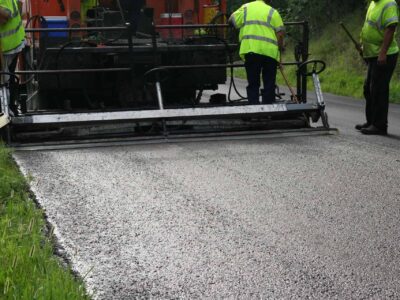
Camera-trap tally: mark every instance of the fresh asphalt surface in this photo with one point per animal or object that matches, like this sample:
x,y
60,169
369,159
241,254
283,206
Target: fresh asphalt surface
x,y
280,218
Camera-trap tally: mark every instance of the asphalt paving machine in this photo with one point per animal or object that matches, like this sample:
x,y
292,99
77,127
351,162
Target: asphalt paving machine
x,y
104,70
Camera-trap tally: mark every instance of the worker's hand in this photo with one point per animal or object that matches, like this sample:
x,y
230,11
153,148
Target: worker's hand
x,y
382,59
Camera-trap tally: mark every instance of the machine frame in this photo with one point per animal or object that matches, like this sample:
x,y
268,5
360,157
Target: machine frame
x,y
40,123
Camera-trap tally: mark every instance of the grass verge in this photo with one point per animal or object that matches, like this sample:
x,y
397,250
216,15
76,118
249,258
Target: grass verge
x,y
28,267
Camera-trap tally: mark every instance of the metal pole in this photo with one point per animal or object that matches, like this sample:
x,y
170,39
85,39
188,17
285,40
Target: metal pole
x,y
306,39
159,94
131,55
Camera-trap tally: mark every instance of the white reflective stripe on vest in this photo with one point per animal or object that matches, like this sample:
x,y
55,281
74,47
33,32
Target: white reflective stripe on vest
x,y
271,13
379,21
259,38
391,20
261,23
258,22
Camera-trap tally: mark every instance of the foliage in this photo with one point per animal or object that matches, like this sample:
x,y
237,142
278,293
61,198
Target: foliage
x,y
345,70
317,12
29,270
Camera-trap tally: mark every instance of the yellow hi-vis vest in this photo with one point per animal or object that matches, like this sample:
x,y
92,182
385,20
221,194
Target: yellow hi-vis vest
x,y
380,15
12,33
258,23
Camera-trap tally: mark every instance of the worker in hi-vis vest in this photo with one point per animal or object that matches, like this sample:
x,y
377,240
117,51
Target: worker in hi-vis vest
x,y
12,38
380,51
261,41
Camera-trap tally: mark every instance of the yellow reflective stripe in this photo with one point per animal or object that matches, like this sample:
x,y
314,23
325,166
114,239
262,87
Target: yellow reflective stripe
x,y
11,32
260,38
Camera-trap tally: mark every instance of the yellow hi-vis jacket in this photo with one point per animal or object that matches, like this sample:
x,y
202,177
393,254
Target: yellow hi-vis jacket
x,y
258,23
12,33
380,15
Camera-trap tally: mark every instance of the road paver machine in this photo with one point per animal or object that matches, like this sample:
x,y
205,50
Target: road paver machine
x,y
143,71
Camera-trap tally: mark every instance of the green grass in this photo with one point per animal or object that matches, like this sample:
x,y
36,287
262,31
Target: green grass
x,y
28,267
345,69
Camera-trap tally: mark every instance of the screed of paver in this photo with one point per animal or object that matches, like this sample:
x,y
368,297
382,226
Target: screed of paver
x,y
313,217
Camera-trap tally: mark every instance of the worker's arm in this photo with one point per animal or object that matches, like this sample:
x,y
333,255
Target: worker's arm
x,y
237,18
387,40
277,24
389,21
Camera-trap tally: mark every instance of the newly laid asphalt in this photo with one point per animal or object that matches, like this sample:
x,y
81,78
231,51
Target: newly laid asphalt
x,y
314,217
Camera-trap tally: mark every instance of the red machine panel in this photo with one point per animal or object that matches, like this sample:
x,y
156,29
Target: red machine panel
x,y
191,10
48,8
71,9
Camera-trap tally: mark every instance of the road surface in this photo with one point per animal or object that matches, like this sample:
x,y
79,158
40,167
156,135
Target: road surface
x,y
281,218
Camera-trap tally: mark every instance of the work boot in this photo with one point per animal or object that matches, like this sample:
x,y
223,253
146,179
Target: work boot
x,y
372,130
361,126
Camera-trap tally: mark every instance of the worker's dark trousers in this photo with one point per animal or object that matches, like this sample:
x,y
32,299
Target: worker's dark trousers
x,y
255,65
376,91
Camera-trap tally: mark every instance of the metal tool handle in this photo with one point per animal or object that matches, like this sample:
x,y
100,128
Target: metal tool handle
x,y
356,44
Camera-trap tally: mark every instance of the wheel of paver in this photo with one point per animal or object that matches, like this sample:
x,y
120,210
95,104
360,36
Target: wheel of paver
x,y
318,66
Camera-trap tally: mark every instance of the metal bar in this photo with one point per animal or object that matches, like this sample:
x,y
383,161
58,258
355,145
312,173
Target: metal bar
x,y
195,26
130,47
75,29
4,100
318,90
180,113
305,54
142,49
210,66
73,71
194,137
191,26
159,94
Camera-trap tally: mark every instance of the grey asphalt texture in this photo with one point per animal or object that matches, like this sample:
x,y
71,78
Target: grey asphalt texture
x,y
281,218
